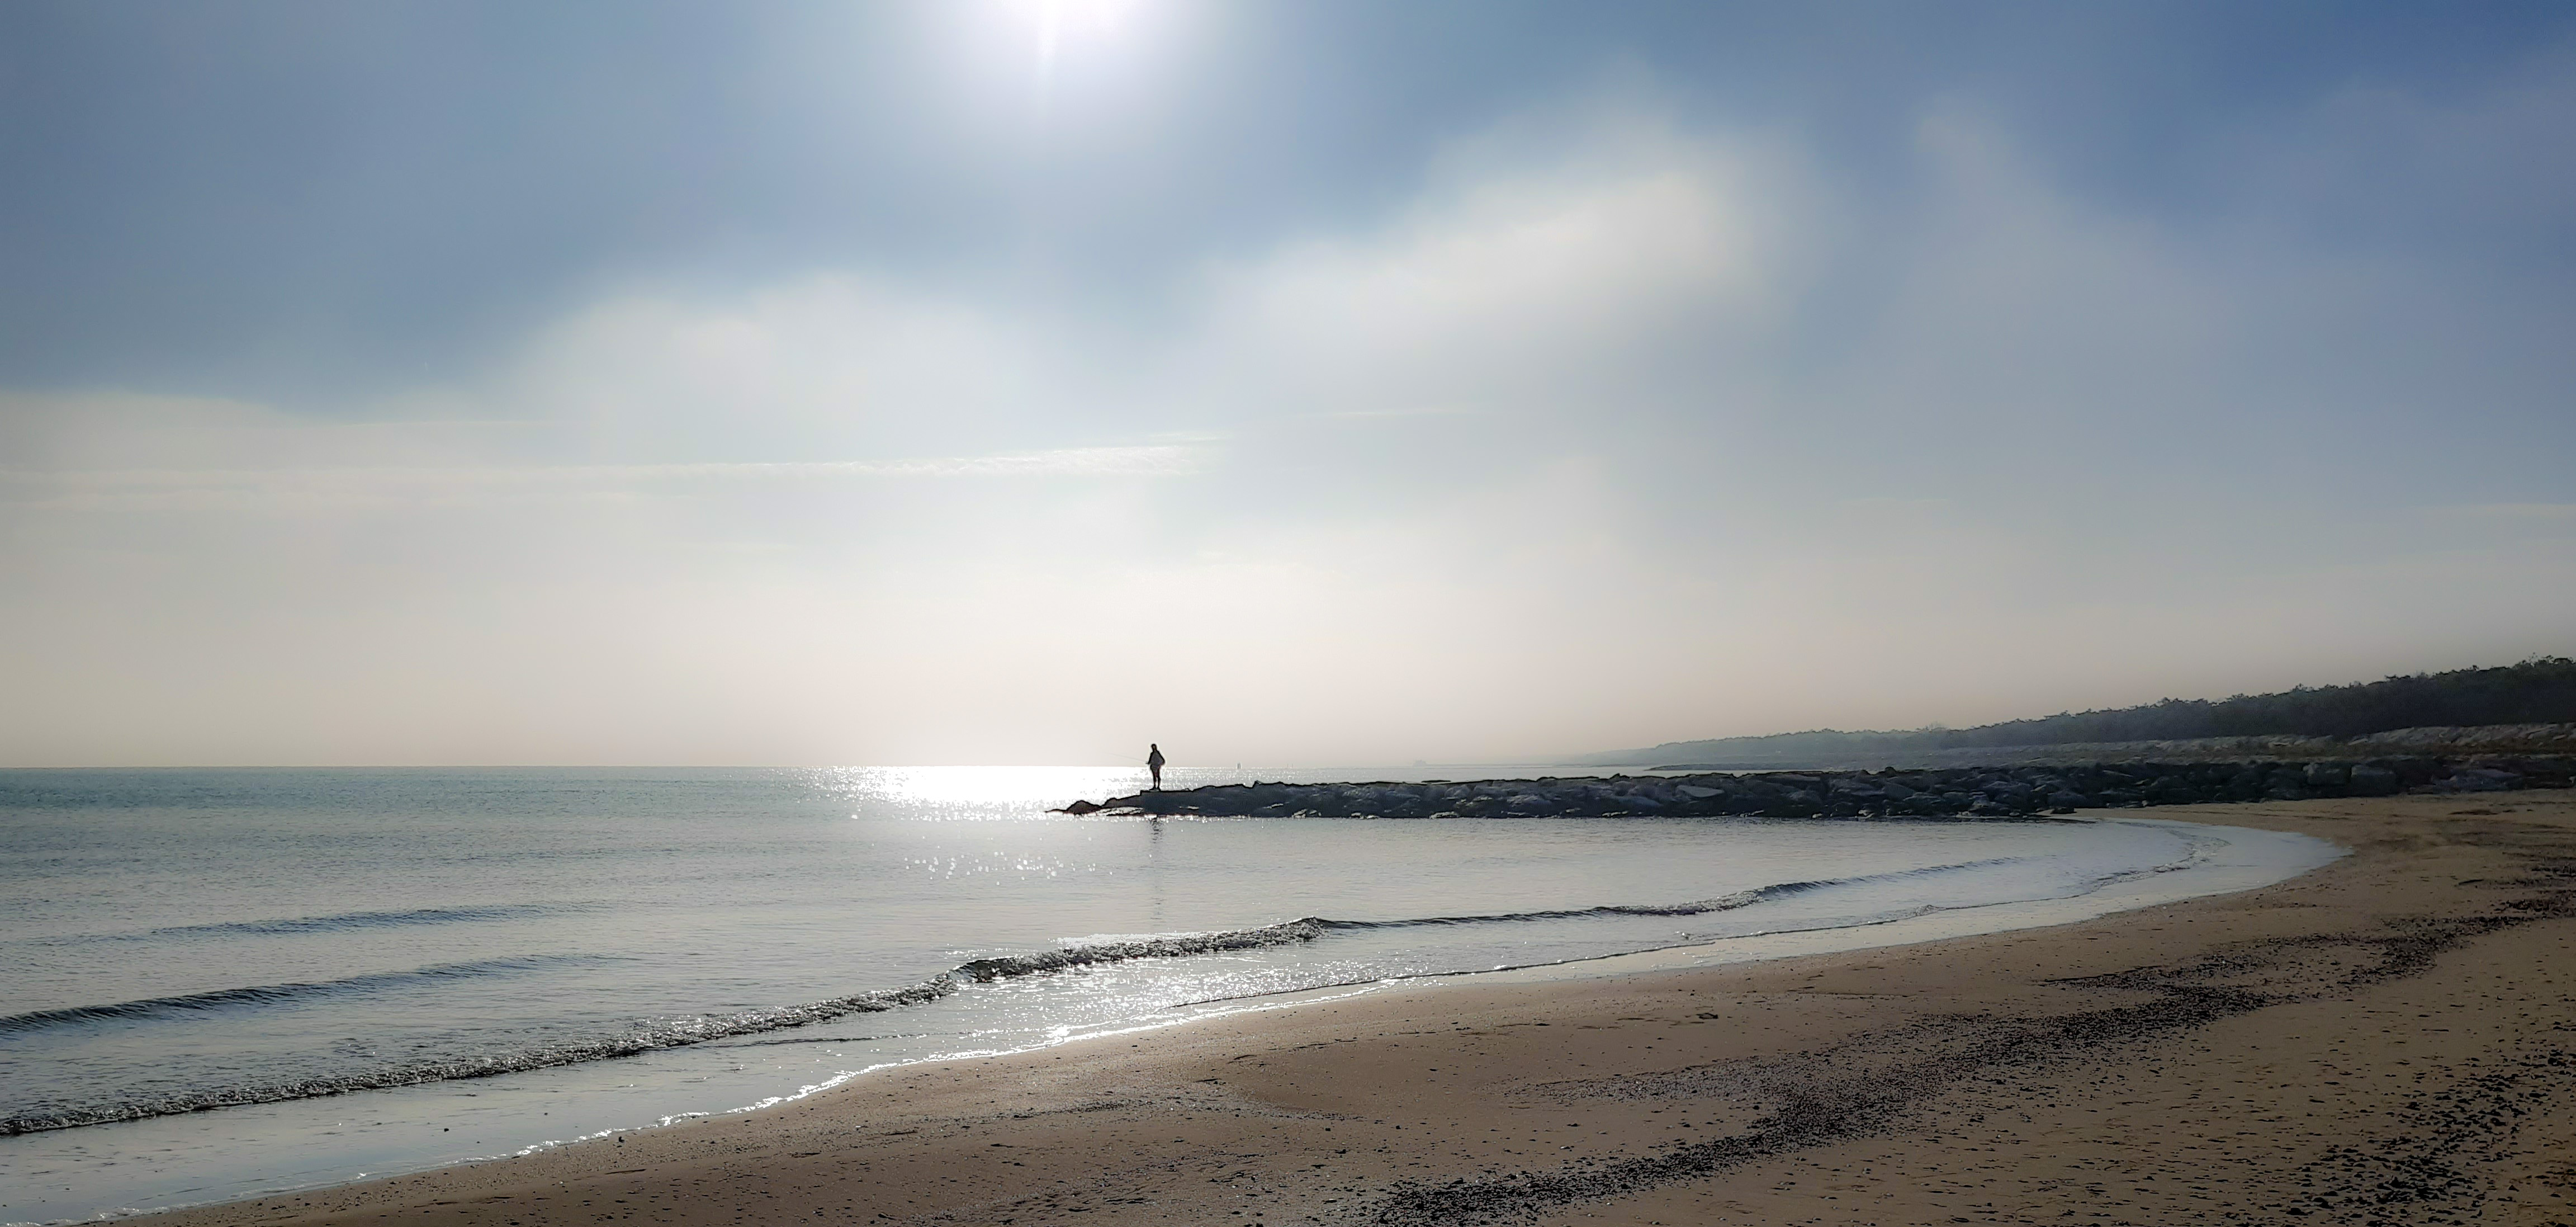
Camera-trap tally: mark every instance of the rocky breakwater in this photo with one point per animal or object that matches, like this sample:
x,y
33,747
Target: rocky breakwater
x,y
1997,792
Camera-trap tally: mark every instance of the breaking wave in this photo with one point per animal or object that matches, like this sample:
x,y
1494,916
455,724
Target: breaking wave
x,y
1723,903
675,1033
647,1038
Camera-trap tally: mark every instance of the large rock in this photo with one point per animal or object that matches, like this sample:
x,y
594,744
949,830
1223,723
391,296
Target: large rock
x,y
1988,792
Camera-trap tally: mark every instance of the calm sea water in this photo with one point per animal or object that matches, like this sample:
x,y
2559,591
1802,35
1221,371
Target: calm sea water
x,y
214,983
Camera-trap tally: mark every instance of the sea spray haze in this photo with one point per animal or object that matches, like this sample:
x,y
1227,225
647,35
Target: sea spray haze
x,y
367,971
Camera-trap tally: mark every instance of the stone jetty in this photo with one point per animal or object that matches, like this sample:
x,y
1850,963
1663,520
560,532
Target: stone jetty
x,y
1967,793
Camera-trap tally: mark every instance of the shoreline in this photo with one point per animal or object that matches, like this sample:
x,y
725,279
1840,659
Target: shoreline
x,y
315,1142
2228,876
2168,1051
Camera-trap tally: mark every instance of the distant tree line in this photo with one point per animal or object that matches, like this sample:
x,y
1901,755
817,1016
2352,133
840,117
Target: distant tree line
x,y
2541,690
2537,691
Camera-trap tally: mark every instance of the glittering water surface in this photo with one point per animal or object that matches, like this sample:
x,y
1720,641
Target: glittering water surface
x,y
214,983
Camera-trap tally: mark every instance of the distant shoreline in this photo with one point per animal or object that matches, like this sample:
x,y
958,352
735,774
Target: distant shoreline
x,y
2444,742
2504,709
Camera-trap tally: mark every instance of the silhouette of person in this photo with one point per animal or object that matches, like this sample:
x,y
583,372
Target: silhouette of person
x,y
1154,763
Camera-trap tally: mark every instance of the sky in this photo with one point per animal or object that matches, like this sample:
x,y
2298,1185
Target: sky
x,y
1288,382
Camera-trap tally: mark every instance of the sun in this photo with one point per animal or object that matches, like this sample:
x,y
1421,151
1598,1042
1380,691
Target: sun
x,y
1059,22
1085,14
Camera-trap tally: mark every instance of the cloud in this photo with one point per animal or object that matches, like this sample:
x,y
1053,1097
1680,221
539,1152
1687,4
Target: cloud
x,y
207,489
1618,428
1535,263
828,364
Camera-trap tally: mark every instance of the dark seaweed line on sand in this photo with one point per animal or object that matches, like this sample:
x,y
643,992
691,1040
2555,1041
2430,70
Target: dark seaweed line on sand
x,y
1814,1112
1820,1105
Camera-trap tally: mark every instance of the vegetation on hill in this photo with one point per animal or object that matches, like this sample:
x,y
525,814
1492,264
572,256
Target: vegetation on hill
x,y
2541,690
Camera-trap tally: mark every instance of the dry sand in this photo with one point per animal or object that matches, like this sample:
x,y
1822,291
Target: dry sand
x,y
2391,1039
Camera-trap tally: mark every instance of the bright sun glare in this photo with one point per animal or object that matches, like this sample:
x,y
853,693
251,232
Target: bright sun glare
x,y
1058,21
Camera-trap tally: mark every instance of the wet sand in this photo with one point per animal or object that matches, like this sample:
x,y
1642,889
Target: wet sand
x,y
2391,1039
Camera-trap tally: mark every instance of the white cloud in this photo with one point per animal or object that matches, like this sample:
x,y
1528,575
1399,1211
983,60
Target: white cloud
x,y
830,365
1529,273
1621,431
341,488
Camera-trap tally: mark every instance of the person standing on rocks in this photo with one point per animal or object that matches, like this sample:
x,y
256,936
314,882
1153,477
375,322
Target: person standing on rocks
x,y
1154,763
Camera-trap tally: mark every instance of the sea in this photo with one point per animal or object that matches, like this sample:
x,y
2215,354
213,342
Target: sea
x,y
222,983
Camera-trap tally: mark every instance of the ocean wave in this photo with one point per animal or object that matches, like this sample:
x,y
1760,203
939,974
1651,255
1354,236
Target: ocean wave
x,y
683,1032
1703,907
339,922
273,994
650,1038
1181,945
372,920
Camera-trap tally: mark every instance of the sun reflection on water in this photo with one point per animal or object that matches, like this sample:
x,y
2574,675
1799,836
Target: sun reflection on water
x,y
975,794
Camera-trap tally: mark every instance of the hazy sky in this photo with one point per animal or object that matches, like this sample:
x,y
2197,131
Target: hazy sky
x,y
1286,382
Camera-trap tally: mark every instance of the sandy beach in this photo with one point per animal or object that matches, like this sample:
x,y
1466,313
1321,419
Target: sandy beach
x,y
2391,1039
